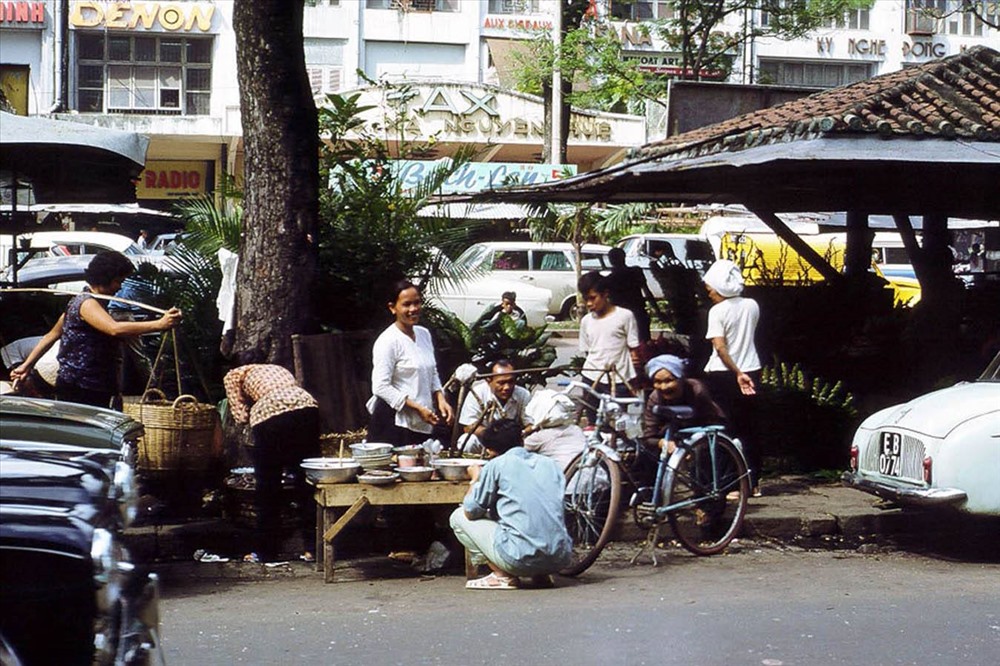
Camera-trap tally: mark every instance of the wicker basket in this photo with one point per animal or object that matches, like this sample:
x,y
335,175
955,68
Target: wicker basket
x,y
179,434
335,444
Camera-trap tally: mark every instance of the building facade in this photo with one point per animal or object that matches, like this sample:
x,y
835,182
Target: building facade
x,y
168,69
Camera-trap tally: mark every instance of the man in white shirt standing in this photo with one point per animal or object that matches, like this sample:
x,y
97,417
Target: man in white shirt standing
x,y
733,370
495,398
609,337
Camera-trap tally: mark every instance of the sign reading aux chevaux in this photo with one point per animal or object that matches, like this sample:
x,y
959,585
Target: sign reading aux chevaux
x,y
477,113
155,16
172,180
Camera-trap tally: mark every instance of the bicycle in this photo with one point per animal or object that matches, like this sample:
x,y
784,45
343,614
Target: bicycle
x,y
701,487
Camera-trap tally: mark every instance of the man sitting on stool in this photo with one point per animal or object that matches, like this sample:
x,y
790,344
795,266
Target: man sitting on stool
x,y
495,398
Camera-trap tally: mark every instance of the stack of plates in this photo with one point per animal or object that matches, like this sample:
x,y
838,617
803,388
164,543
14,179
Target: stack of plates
x,y
371,455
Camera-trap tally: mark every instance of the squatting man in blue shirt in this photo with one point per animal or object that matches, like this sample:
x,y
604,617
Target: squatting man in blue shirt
x,y
512,517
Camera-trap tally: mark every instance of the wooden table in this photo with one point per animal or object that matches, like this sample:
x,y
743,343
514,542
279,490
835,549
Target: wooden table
x,y
330,497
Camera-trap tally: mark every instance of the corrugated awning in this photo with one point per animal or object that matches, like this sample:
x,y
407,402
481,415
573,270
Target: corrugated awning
x,y
506,55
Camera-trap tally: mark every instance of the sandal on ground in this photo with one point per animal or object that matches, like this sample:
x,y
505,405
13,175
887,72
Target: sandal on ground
x,y
307,557
492,582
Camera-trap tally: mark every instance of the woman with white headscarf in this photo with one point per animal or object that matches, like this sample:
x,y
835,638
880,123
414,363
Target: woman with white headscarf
x,y
733,370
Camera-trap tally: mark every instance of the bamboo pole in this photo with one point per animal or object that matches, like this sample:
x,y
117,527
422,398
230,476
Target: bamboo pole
x,y
63,292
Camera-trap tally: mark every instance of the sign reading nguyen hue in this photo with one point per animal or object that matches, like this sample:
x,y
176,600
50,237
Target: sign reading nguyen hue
x,y
172,180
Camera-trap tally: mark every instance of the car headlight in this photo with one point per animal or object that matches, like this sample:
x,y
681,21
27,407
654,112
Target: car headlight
x,y
126,492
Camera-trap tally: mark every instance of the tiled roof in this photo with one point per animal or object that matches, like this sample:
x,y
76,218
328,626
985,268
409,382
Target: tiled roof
x,y
950,98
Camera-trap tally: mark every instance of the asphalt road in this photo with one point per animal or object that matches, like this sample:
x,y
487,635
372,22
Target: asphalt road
x,y
764,605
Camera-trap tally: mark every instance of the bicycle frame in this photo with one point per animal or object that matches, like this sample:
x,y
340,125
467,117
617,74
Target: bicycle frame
x,y
668,464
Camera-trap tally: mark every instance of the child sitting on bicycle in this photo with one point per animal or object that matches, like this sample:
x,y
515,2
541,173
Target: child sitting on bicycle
x,y
670,387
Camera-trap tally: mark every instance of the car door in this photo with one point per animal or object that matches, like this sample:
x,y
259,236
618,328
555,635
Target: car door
x,y
552,269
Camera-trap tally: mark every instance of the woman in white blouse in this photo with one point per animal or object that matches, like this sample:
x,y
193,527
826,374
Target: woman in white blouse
x,y
408,401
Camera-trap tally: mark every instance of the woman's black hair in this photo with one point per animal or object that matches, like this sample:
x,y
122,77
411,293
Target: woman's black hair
x,y
398,288
106,267
502,436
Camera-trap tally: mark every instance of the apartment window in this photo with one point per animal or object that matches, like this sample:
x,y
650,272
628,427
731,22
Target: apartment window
x,y
812,74
855,19
143,74
415,5
513,7
634,10
324,64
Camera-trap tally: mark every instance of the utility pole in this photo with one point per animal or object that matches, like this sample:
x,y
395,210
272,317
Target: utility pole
x,y
555,145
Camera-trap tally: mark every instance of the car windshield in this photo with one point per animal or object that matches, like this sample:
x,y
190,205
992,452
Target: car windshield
x,y
472,258
992,372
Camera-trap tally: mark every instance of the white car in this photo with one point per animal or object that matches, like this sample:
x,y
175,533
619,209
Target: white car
x,y
940,450
469,299
519,264
691,250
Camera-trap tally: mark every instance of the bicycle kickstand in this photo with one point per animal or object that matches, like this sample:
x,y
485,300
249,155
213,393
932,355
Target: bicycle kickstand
x,y
650,543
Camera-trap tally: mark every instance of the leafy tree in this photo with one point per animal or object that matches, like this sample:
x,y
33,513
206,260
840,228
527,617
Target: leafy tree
x,y
578,224
697,27
596,76
986,12
371,234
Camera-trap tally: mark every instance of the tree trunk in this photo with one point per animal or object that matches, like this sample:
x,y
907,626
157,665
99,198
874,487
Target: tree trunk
x,y
278,255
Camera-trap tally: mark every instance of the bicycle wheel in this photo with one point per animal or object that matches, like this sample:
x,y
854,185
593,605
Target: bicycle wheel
x,y
712,493
593,489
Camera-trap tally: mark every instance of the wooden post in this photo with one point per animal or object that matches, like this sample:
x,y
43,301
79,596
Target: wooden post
x,y
810,255
858,255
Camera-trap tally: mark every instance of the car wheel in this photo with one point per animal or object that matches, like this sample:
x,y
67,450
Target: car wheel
x,y
570,311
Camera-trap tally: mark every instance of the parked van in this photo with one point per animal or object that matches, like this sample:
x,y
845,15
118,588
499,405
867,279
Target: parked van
x,y
642,250
766,259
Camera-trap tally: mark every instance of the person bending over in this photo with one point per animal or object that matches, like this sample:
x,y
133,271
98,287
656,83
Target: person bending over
x,y
512,517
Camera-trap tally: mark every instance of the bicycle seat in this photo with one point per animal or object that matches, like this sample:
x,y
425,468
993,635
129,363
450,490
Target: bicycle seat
x,y
677,412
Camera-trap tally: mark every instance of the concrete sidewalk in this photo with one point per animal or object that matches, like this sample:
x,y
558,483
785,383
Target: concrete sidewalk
x,y
792,509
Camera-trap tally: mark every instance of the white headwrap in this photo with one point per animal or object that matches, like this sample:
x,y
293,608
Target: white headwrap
x,y
674,364
725,277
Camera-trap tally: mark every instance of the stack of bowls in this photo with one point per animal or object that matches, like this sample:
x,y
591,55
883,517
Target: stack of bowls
x,y
371,455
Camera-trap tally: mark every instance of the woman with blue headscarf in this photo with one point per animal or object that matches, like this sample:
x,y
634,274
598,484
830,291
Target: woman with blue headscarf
x,y
671,387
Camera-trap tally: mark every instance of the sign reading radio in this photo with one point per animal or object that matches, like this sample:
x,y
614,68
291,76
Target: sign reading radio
x,y
171,16
172,180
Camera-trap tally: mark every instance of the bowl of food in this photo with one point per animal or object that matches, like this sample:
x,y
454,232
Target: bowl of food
x,y
378,477
415,473
456,469
330,470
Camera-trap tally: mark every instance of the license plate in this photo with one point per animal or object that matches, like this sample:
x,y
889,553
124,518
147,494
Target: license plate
x,y
890,454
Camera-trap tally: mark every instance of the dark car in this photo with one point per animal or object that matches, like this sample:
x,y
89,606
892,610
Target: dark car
x,y
71,432
68,593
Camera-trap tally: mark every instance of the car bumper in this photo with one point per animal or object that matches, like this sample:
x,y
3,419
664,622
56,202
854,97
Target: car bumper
x,y
139,642
905,494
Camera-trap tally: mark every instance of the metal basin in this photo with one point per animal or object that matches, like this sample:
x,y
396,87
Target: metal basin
x,y
455,469
330,470
415,473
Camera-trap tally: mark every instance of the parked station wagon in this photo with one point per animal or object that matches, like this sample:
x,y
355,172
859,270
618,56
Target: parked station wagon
x,y
502,266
